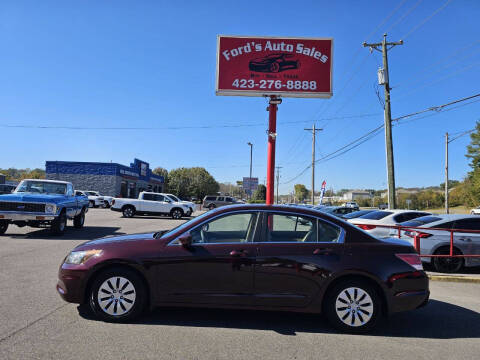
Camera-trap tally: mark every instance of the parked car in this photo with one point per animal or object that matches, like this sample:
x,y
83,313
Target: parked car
x,y
213,201
94,198
190,204
475,211
271,257
437,242
358,213
383,206
351,204
41,204
338,211
6,189
150,203
369,222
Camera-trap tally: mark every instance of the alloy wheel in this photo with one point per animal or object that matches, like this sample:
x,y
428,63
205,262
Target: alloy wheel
x,y
177,214
116,296
354,306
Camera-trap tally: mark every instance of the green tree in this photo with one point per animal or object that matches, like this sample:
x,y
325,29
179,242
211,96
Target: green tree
x,y
260,193
473,150
187,182
301,192
162,172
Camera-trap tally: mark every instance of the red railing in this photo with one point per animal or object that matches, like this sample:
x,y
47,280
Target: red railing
x,y
416,238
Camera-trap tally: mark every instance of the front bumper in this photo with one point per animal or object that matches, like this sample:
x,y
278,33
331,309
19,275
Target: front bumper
x,y
116,209
23,216
71,284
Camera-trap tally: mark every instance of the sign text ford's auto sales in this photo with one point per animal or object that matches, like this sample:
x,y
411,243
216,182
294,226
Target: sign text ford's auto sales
x,y
260,66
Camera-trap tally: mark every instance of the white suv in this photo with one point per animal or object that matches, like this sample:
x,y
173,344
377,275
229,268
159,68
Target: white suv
x,y
150,203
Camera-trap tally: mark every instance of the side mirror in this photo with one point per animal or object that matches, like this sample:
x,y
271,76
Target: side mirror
x,y
185,240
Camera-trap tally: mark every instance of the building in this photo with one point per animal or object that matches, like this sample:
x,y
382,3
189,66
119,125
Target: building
x,y
356,195
109,179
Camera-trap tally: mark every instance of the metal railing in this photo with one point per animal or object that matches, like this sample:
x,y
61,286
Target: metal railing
x,y
417,237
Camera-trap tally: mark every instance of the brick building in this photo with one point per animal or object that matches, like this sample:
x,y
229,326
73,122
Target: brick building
x,y
107,178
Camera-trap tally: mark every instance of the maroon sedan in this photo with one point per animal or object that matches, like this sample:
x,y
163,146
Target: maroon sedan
x,y
251,257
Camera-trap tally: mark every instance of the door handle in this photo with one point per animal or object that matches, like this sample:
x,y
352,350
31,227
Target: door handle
x,y
238,253
322,251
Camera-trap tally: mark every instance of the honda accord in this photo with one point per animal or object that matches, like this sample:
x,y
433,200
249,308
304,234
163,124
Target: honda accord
x,y
263,257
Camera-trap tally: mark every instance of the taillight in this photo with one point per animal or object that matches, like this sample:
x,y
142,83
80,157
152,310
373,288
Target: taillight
x,y
418,234
411,259
366,227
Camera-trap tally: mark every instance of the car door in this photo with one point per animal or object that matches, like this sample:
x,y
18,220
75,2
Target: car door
x,y
295,255
217,268
468,242
162,204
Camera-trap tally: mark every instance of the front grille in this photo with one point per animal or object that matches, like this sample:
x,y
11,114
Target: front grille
x,y
19,206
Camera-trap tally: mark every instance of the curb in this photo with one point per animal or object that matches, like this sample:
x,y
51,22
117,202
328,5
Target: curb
x,y
452,278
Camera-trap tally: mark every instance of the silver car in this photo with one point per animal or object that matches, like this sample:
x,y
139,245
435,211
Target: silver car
x,y
437,242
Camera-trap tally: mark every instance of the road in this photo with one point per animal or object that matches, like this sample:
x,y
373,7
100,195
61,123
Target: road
x,y
36,324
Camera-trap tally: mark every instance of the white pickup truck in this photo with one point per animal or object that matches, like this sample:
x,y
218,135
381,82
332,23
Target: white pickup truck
x,y
190,204
149,203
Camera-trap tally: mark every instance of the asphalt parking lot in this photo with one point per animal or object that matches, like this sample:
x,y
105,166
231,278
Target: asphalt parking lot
x,y
36,324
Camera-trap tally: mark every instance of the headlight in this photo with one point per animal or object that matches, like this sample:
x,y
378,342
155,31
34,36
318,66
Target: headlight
x,y
50,208
79,257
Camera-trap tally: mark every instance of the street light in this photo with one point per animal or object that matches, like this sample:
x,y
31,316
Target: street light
x,y
251,153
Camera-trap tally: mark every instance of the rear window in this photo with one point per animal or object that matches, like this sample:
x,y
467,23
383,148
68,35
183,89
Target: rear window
x,y
357,214
421,221
376,215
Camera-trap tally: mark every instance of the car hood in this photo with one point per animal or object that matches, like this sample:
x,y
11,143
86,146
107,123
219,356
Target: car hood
x,y
98,243
33,198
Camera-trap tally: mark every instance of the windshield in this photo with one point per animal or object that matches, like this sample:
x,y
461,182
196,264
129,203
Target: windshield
x,y
41,187
179,228
421,221
376,215
356,214
173,197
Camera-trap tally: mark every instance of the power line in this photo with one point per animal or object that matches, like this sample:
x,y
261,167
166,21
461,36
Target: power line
x,y
119,128
404,16
415,28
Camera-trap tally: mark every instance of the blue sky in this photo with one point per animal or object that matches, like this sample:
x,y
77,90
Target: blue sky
x,y
152,64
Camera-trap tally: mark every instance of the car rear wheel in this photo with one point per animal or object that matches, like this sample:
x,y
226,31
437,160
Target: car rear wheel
x,y
91,203
118,295
79,220
353,306
176,213
447,264
274,67
128,211
3,226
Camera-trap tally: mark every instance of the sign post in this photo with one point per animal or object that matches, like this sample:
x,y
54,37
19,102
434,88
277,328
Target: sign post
x,y
274,67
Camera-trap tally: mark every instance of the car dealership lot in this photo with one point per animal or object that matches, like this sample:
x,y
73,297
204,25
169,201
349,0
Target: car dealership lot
x,y
36,323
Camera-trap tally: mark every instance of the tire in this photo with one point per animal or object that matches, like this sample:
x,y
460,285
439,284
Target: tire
x,y
447,265
176,213
128,211
91,204
118,295
3,226
342,302
211,206
79,220
106,205
59,225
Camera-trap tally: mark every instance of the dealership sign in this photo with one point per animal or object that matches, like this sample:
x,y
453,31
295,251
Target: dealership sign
x,y
265,66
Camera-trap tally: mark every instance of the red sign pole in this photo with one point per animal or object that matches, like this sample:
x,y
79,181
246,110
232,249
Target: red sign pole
x,y
272,134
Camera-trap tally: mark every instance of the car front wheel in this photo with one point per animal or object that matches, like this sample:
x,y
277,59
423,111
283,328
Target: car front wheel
x,y
176,214
447,264
3,226
353,306
118,295
59,225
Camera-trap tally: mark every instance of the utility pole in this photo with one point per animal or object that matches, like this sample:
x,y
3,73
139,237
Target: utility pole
x,y
446,173
272,135
278,178
251,154
314,131
384,80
